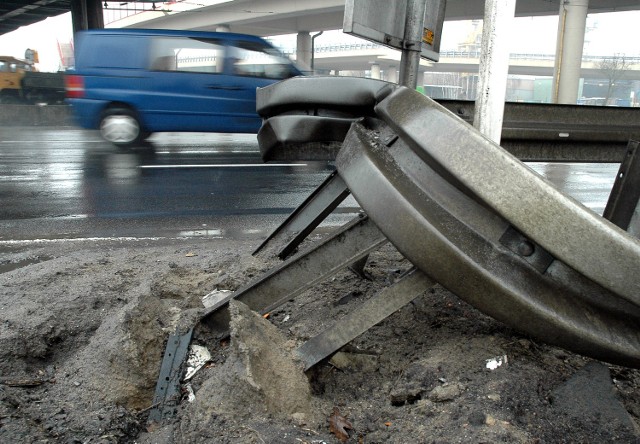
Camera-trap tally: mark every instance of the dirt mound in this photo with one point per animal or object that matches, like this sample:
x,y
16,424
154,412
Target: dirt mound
x,y
82,336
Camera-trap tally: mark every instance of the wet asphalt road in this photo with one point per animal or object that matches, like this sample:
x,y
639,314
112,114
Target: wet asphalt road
x,y
68,183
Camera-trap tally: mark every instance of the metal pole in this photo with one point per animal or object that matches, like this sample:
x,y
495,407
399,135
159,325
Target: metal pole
x,y
412,45
313,52
494,67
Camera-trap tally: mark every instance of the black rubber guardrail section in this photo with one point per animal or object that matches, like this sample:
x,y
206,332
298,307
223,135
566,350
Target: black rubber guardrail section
x,y
307,118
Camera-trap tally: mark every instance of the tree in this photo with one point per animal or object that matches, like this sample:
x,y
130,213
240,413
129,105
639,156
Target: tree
x,y
613,69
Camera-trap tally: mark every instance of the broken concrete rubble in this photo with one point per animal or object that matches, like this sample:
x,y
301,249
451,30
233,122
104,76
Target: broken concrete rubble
x,y
260,370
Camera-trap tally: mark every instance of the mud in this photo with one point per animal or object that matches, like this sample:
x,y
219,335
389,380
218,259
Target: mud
x,y
83,331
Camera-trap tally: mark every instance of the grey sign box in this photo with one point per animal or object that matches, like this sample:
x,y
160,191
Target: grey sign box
x,y
383,21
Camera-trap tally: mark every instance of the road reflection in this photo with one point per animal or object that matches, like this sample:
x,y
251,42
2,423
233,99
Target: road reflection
x,y
176,176
67,181
588,183
123,168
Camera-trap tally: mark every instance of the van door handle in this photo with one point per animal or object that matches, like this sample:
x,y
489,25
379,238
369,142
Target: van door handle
x,y
225,87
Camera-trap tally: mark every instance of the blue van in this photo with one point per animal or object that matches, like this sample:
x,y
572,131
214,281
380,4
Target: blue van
x,y
129,83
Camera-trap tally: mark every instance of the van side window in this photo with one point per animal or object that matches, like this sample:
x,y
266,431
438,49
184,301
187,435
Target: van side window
x,y
106,52
186,55
256,60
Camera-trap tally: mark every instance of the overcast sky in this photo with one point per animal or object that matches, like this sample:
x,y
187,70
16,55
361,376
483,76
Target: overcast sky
x,y
607,34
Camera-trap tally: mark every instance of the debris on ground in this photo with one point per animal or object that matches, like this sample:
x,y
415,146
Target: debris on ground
x,y
82,336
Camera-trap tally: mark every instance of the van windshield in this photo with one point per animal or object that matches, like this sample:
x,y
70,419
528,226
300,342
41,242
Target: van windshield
x,y
257,60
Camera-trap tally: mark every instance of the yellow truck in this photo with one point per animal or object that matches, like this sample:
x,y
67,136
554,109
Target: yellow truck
x,y
20,82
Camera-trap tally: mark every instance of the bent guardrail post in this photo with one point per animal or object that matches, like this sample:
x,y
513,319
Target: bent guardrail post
x,y
369,313
167,395
306,217
625,193
352,242
315,123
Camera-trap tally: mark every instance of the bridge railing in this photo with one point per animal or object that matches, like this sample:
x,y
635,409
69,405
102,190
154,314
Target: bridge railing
x,y
367,46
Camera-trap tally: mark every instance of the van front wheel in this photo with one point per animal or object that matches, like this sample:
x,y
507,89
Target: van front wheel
x,y
121,127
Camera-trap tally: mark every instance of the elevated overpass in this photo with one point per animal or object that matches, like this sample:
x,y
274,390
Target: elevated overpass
x,y
260,17
361,57
276,17
273,17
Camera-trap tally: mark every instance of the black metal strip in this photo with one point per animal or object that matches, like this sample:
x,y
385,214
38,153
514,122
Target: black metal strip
x,y
167,396
625,192
370,313
308,215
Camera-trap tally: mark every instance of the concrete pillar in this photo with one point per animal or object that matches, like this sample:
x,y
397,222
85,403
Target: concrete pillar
x,y
95,15
392,75
86,14
566,73
79,18
303,50
375,71
494,67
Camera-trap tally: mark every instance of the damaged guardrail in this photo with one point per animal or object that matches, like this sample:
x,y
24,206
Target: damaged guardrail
x,y
495,233
477,220
466,213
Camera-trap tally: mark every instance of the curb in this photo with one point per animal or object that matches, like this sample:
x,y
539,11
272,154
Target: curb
x,y
35,115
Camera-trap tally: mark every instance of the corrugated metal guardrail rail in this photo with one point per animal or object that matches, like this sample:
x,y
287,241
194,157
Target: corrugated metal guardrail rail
x,y
298,110
486,227
540,132
470,215
578,133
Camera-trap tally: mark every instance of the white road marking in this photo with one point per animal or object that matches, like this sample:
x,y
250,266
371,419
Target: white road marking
x,y
227,165
79,239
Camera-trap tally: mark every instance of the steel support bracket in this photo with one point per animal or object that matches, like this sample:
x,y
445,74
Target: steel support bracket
x,y
625,194
370,313
167,395
283,283
306,217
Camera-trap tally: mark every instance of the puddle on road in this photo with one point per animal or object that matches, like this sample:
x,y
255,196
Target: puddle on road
x,y
201,233
10,266
226,233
